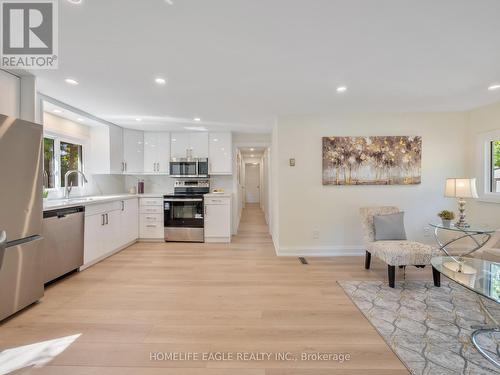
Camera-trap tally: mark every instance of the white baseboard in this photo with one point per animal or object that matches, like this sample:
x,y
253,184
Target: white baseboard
x,y
107,255
320,251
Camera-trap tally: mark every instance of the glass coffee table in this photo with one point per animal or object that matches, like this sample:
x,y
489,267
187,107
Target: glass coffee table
x,y
483,278
479,236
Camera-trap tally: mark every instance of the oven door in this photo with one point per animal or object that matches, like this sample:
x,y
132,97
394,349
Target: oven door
x,y
183,212
183,168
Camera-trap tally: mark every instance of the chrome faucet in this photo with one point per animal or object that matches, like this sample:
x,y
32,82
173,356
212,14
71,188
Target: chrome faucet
x,y
67,189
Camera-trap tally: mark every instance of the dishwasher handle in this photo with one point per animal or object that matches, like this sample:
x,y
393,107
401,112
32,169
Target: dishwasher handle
x,y
63,212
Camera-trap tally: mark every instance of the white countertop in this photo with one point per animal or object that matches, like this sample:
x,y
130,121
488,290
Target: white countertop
x,y
54,204
218,195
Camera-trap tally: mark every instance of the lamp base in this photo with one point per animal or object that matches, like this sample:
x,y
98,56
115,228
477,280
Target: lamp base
x,y
461,223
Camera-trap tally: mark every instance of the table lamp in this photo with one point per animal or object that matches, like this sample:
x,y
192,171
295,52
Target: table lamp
x,y
461,188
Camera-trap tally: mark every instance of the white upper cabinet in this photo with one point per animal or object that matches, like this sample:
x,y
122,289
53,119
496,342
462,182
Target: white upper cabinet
x,y
220,158
116,150
106,145
156,152
133,151
179,145
196,142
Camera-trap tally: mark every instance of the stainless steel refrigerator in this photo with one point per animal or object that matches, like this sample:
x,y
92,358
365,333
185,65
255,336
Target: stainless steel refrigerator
x,y
21,211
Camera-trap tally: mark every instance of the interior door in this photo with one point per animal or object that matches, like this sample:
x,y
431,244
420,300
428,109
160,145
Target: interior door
x,y
252,183
21,176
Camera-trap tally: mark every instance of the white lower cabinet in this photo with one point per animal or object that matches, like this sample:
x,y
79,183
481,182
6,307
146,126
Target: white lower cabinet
x,y
218,219
151,219
108,228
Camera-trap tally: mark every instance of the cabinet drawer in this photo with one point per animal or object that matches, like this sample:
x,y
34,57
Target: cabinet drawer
x,y
151,210
96,209
151,218
151,230
224,201
151,201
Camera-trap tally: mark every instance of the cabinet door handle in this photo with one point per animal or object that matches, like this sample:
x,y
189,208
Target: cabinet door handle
x,y
151,226
107,219
205,210
102,220
123,205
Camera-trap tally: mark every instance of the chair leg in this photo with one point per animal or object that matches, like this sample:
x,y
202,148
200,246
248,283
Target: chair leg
x,y
437,277
368,259
392,275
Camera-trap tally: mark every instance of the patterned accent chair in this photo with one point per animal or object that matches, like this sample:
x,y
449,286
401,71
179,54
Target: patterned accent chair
x,y
395,253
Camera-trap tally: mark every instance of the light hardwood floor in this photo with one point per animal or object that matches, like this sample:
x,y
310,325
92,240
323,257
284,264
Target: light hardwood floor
x,y
237,297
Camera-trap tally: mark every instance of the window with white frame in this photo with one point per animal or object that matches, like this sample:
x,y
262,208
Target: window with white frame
x,y
60,156
495,166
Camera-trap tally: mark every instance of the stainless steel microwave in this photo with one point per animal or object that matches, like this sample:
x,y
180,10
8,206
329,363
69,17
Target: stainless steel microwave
x,y
189,167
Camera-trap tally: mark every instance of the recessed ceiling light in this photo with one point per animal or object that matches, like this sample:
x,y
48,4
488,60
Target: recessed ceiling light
x,y
160,81
57,111
71,81
216,139
252,149
197,119
341,89
494,87
138,119
196,128
80,119
77,2
169,2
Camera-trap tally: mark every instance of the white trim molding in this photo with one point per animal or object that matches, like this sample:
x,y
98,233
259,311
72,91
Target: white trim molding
x,y
321,251
483,166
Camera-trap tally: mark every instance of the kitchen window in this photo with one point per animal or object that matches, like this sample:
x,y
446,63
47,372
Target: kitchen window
x,y
71,159
61,155
495,167
49,175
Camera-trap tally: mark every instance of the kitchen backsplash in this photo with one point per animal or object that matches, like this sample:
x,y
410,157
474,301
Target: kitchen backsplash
x,y
165,184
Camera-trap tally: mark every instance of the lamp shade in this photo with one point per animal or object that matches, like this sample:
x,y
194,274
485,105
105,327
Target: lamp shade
x,y
461,188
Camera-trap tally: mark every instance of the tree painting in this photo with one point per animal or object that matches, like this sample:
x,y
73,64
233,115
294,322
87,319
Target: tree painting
x,y
372,160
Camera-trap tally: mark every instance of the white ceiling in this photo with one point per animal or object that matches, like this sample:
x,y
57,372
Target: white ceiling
x,y
239,63
252,152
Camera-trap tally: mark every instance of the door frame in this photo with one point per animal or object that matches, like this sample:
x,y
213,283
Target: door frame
x,y
236,147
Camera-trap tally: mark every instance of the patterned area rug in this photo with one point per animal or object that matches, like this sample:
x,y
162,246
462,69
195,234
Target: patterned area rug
x,y
428,328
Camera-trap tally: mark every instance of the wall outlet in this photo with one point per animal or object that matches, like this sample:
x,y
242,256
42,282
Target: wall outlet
x,y
316,234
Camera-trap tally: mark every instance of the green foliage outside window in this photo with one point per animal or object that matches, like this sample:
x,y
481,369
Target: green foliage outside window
x,y
48,163
71,156
496,154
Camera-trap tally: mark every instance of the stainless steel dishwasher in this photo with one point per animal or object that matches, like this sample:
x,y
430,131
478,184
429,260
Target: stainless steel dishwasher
x,y
62,230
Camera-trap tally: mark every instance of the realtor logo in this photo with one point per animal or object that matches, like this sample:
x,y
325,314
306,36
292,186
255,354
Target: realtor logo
x,y
29,34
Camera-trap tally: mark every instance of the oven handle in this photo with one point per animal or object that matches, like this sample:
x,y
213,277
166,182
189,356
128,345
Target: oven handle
x,y
183,200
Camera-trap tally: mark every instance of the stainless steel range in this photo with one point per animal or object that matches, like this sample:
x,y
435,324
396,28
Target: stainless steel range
x,y
184,211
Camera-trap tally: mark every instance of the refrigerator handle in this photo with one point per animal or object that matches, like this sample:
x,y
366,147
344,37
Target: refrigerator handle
x,y
3,245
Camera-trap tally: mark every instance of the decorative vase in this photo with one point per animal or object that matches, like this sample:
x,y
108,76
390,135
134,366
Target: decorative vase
x,y
446,223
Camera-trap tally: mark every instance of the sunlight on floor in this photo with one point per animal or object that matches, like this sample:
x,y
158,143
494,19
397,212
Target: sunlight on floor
x,y
37,354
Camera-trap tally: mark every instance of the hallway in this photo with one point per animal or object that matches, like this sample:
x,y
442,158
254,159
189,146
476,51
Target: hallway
x,y
238,297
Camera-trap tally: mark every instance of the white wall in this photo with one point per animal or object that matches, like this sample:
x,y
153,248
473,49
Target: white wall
x,y
481,120
305,205
98,184
10,94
